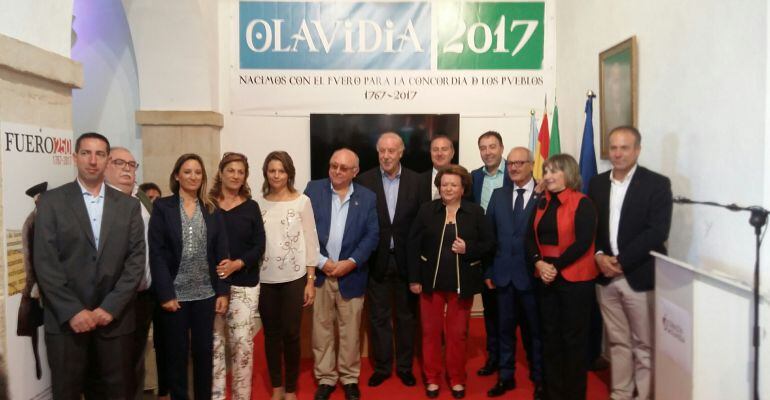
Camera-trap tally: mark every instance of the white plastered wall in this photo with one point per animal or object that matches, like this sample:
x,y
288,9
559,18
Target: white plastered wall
x,y
703,111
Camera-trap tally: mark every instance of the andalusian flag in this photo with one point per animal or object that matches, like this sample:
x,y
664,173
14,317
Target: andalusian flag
x,y
541,149
555,147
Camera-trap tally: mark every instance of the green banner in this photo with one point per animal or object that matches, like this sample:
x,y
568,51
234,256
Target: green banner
x,y
485,35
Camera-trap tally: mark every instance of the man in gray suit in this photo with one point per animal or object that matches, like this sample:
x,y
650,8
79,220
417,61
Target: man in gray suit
x,y
89,259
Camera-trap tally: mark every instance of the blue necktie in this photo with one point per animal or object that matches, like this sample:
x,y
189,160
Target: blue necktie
x,y
518,205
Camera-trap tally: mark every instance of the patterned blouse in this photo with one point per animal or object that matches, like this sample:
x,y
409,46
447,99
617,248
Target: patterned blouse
x,y
291,239
193,281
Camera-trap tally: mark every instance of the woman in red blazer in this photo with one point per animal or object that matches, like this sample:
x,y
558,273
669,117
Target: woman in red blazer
x,y
561,246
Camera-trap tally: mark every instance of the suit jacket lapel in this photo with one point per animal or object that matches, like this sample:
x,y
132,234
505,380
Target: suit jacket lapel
x,y
109,213
633,189
352,213
380,191
508,209
175,223
78,206
401,197
326,212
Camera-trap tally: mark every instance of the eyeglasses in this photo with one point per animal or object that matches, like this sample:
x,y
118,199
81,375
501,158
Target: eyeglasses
x,y
132,165
518,164
234,154
342,168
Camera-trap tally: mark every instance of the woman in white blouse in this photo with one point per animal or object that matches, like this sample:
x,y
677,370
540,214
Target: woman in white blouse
x,y
288,270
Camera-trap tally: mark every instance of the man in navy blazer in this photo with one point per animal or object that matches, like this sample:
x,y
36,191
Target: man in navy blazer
x,y
486,179
510,275
634,208
348,232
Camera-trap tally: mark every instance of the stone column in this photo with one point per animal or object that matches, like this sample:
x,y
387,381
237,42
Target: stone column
x,y
168,134
35,89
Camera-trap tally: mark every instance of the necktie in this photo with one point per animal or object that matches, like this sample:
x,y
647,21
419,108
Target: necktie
x,y
518,205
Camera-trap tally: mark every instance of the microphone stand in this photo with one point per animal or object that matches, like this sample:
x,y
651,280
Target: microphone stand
x,y
758,219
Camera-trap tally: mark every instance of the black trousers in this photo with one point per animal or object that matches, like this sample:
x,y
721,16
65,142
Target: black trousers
x,y
75,359
145,306
392,307
190,328
280,308
491,324
565,313
161,359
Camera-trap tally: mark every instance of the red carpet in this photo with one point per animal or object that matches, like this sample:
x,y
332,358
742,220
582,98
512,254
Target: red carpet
x,y
392,389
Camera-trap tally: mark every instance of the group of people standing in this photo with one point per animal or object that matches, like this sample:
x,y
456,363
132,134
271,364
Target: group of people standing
x,y
207,267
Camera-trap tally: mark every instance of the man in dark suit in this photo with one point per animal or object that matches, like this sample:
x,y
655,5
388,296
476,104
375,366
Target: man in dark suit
x,y
486,179
348,232
89,258
442,151
121,175
397,205
634,206
510,275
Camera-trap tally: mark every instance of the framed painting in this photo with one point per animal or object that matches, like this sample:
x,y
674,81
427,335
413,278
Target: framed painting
x,y
617,89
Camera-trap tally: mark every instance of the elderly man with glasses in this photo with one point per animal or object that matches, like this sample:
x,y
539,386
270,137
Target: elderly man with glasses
x,y
348,231
121,175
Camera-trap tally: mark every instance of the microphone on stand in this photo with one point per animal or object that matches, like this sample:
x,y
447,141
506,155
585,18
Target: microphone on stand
x,y
758,219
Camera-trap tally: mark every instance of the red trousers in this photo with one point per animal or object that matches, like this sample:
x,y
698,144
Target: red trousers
x,y
454,325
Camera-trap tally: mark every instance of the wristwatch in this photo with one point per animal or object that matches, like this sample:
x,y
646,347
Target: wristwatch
x,y
311,277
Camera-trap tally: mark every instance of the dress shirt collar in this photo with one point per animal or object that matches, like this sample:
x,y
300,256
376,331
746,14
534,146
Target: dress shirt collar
x,y
500,169
347,196
85,191
385,174
625,180
529,186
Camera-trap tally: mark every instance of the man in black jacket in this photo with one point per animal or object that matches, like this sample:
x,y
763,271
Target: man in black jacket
x,y
442,152
397,204
89,257
634,206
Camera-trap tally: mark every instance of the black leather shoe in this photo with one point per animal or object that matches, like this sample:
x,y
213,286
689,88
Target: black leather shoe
x,y
351,391
489,368
407,378
539,392
323,392
458,394
431,394
377,378
501,387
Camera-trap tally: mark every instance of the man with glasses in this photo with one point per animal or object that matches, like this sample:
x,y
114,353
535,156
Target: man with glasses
x,y
89,257
348,231
509,211
121,175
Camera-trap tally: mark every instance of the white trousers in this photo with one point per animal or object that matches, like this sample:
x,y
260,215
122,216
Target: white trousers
x,y
237,329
